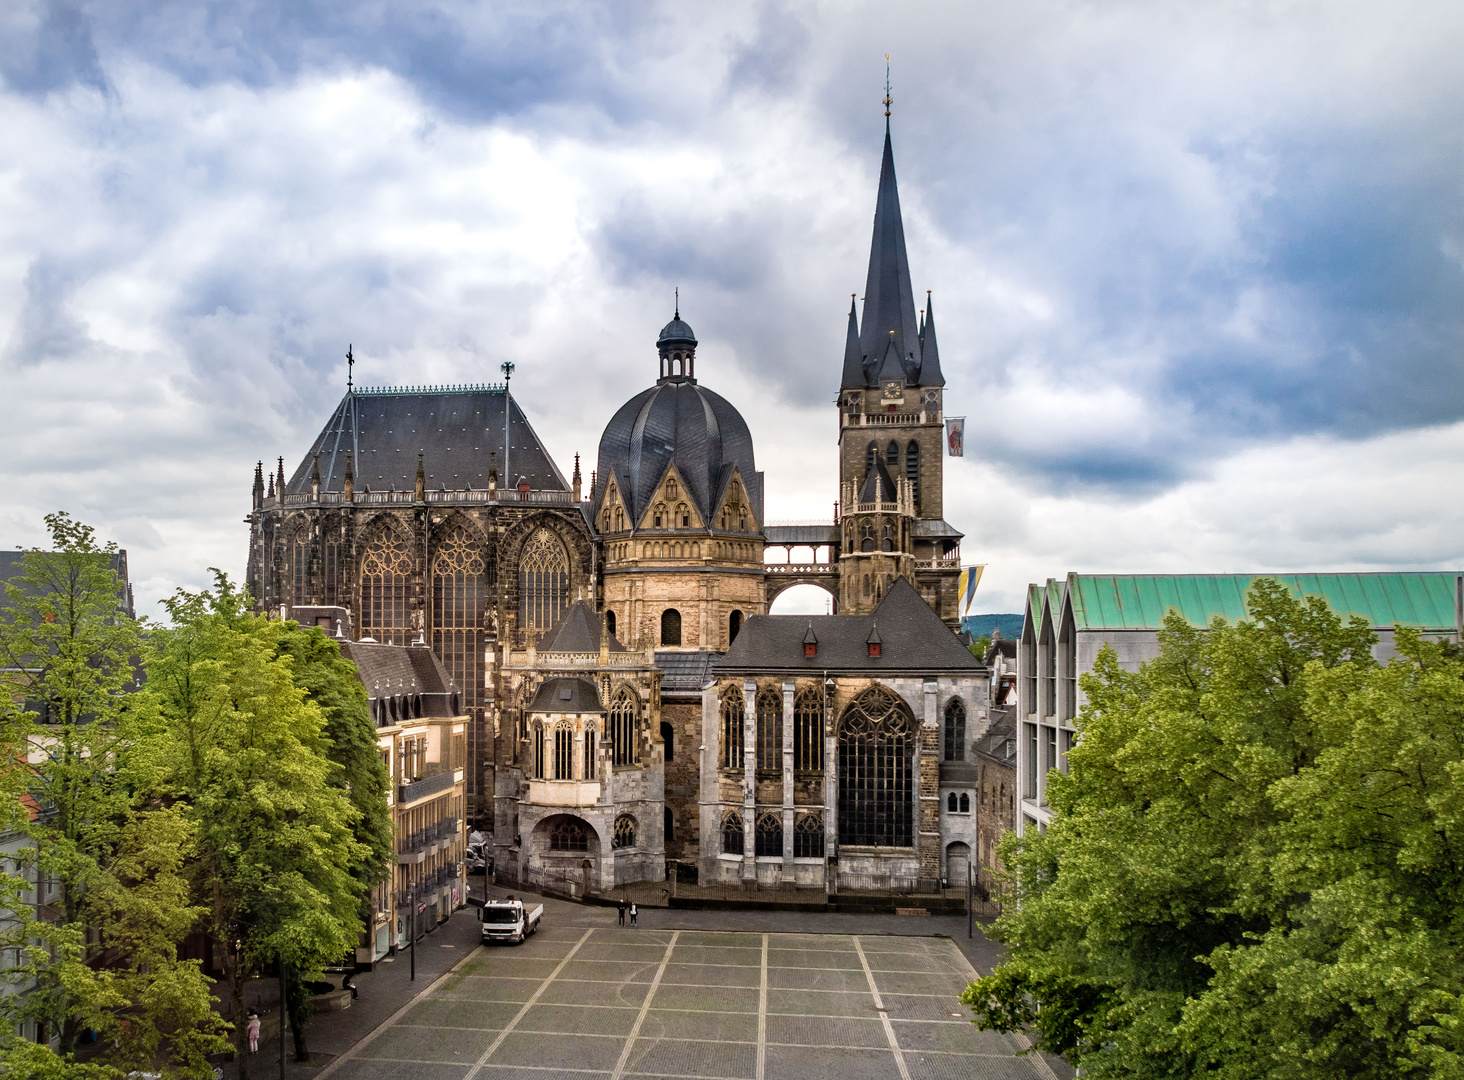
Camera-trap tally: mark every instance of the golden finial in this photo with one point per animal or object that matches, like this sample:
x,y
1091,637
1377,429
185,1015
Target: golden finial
x,y
888,101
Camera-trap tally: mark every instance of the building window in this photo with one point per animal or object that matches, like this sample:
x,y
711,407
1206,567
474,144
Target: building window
x,y
965,803
734,626
610,622
892,455
668,825
1068,738
912,470
808,837
1067,661
670,627
543,582
866,543
458,598
624,832
538,738
568,834
808,730
876,775
564,752
769,730
1049,671
955,730
668,740
300,568
386,574
951,803
1050,737
1030,790
732,706
622,727
887,537
732,839
769,837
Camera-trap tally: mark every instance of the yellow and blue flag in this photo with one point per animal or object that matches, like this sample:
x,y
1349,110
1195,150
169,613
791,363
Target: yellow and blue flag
x,y
970,578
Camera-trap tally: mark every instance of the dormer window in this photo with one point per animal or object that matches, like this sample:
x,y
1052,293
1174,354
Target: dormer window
x,y
810,642
874,647
873,642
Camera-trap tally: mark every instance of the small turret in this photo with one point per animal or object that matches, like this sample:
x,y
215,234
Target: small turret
x,y
315,479
575,481
421,488
258,484
349,483
281,477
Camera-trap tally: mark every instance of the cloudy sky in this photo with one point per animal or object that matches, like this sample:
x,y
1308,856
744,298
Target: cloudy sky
x,y
1199,268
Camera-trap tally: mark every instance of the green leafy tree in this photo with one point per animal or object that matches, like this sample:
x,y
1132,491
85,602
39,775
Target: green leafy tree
x,y
241,750
331,683
1254,867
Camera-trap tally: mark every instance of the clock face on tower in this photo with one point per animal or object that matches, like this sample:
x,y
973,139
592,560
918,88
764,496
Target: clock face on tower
x,y
893,389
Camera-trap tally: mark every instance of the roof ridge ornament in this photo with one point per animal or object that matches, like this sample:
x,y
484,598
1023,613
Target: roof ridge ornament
x,y
888,101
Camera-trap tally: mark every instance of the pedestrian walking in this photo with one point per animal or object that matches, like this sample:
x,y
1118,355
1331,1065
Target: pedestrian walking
x,y
633,914
252,1030
620,910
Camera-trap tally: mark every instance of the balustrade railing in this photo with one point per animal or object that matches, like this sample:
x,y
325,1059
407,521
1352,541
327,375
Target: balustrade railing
x,y
500,496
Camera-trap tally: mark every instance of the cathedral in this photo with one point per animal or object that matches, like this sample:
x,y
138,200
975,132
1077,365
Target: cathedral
x,y
632,710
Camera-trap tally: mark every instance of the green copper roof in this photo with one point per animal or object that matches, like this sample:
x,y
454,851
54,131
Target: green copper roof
x,y
1139,601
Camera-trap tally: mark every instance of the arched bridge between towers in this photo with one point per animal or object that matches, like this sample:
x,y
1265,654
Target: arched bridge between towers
x,y
824,573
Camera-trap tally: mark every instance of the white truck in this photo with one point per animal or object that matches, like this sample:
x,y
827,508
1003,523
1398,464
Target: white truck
x,y
509,920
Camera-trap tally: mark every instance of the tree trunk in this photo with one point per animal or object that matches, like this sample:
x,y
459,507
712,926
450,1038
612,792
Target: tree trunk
x,y
298,999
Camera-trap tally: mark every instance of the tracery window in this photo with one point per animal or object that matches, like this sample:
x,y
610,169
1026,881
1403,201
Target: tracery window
x,y
543,582
563,752
732,706
459,595
768,839
955,730
386,574
769,729
866,538
808,730
808,837
300,567
328,593
912,469
589,766
622,727
732,836
876,778
568,834
538,740
670,627
887,537
624,836
892,454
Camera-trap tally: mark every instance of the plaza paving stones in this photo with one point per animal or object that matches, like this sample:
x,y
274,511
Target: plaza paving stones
x,y
620,1004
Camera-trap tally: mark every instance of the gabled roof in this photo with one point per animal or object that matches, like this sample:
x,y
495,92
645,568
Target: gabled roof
x,y
578,631
458,432
566,696
912,637
877,486
389,670
1140,601
684,673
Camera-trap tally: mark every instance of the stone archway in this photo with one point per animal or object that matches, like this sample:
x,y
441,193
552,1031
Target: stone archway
x,y
564,855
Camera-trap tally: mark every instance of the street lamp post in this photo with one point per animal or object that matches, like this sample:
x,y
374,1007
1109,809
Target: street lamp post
x,y
412,927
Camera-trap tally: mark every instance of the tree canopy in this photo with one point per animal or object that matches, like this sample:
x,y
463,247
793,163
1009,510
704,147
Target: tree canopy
x,y
1256,862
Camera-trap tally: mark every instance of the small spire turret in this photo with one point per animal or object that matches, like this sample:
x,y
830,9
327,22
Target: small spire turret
x,y
258,484
575,481
281,484
349,483
421,487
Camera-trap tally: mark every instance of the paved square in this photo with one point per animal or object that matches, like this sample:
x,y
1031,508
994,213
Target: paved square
x,y
673,1004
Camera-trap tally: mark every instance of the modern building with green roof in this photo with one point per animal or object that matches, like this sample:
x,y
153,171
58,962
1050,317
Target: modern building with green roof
x,y
1069,620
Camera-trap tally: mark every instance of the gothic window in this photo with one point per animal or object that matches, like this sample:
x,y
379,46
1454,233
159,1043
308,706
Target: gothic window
x,y
624,832
386,574
951,803
808,730
563,752
866,539
732,705
887,537
670,627
605,521
955,730
683,516
768,840
912,469
668,740
622,727
876,779
539,760
543,582
671,487
965,803
300,567
769,729
659,516
610,622
734,626
892,455
332,572
569,834
732,838
619,520
459,594
589,766
808,837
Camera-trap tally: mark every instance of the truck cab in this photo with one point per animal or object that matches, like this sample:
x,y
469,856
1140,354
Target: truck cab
x,y
509,920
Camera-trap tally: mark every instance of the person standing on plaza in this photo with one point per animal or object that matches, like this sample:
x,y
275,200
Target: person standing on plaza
x,y
252,1030
633,913
620,910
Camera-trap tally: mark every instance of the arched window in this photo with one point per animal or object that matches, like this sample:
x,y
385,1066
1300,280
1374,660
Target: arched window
x,y
769,836
876,777
912,469
887,537
808,837
955,730
668,740
866,539
769,729
892,455
543,582
386,575
951,803
610,622
808,730
622,727
668,825
569,834
300,567
670,627
328,592
683,516
624,832
732,838
734,626
459,594
564,752
732,706
965,803
536,736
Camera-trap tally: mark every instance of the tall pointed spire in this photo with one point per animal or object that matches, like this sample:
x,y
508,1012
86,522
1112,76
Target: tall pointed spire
x,y
889,303
853,371
930,374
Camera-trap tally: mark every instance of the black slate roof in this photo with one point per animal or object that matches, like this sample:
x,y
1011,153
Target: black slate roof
x,y
912,636
12,565
577,631
684,673
455,430
566,696
390,670
878,486
679,421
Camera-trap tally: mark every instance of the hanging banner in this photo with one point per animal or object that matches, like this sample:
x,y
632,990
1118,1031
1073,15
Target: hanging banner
x,y
956,436
966,588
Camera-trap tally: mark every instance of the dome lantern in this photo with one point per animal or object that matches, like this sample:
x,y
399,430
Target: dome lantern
x,y
677,347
